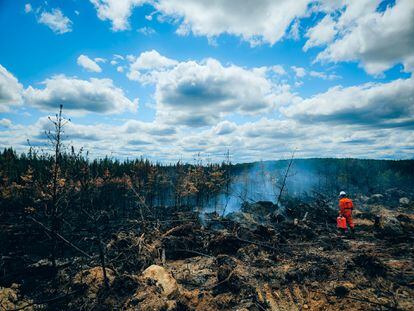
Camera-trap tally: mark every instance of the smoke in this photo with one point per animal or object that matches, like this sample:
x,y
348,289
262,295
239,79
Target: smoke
x,y
262,181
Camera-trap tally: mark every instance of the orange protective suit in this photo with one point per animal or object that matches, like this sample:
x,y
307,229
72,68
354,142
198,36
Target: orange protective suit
x,y
345,209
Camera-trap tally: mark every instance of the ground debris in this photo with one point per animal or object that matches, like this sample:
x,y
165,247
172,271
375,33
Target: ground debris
x,y
248,260
10,299
132,252
92,281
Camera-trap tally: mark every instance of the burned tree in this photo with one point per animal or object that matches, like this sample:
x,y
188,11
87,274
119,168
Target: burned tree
x,y
58,181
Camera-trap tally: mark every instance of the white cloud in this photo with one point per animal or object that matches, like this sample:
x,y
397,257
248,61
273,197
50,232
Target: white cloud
x,y
117,56
262,139
198,94
28,8
324,32
323,75
371,104
114,62
94,95
56,21
300,72
147,65
224,128
294,32
376,39
88,64
257,22
201,93
120,69
5,123
116,11
152,60
146,31
99,60
10,90
278,69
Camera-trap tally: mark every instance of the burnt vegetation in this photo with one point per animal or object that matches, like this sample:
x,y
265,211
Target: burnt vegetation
x,y
104,234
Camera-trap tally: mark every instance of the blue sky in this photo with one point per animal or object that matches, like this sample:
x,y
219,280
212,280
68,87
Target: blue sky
x,y
168,79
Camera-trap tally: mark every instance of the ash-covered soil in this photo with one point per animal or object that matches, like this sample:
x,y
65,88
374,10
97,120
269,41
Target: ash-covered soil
x,y
261,258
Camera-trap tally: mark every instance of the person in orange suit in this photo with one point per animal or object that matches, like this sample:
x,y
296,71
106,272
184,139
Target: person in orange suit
x,y
345,209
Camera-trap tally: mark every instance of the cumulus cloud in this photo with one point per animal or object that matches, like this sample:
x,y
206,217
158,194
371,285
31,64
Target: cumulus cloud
x,y
201,93
198,94
265,21
264,139
323,33
88,64
372,104
254,21
377,39
116,11
278,69
300,72
10,90
224,128
147,65
94,95
152,60
152,128
56,21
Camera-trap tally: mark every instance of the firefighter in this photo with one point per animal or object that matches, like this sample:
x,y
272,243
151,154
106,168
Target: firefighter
x,y
345,209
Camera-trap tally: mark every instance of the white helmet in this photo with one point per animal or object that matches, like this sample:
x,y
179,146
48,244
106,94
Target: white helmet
x,y
342,194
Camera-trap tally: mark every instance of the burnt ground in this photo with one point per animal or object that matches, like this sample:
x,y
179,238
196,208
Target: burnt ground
x,y
255,259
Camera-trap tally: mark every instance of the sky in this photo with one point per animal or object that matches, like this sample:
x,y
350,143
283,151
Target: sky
x,y
174,80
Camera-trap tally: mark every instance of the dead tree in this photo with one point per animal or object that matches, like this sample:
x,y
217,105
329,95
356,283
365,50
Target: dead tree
x,y
283,185
55,137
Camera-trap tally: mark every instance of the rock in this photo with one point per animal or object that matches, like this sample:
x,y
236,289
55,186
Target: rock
x,y
375,198
391,226
404,201
93,279
163,279
157,291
